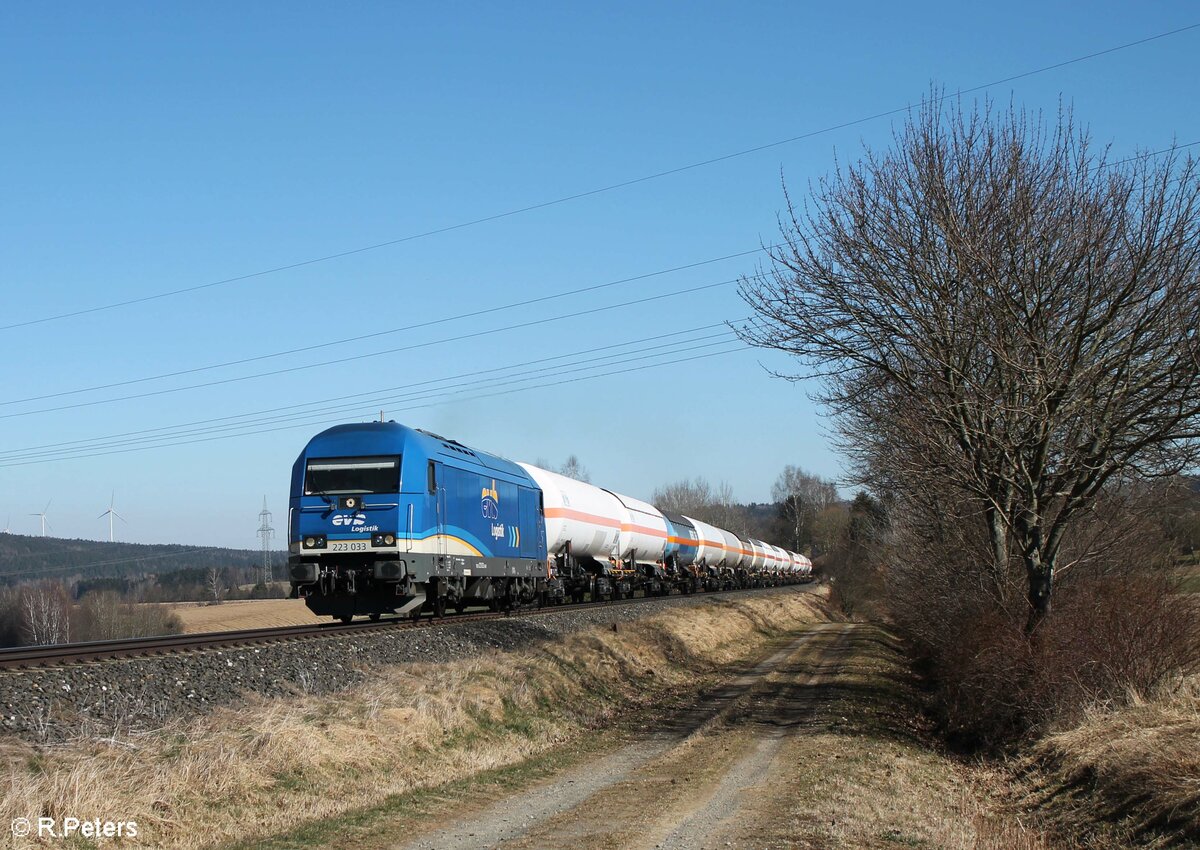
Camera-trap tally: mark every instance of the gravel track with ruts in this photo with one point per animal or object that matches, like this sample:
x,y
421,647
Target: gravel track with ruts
x,y
686,784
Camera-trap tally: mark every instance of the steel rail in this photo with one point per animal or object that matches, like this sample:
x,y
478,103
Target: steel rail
x,y
73,653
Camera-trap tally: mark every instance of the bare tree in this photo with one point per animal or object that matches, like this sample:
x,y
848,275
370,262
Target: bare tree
x,y
684,497
801,497
1002,317
574,469
214,584
699,500
828,528
46,611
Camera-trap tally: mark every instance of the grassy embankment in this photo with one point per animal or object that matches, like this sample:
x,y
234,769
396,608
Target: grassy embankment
x,y
1127,775
268,766
421,743
1124,777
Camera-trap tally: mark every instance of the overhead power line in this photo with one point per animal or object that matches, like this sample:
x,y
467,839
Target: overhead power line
x,y
415,326
739,347
378,394
352,358
373,393
591,192
451,388
1150,154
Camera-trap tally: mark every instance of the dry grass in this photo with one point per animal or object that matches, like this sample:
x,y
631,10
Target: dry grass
x,y
1135,768
269,766
243,614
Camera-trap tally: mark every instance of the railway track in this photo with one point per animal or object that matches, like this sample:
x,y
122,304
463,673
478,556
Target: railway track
x,y
75,653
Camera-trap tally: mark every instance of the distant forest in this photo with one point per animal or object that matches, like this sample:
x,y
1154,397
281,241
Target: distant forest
x,y
24,558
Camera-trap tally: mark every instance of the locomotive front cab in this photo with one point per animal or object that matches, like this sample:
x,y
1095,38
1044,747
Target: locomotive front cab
x,y
345,534
385,518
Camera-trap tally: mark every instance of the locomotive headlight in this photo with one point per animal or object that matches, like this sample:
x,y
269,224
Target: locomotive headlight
x,y
389,539
386,539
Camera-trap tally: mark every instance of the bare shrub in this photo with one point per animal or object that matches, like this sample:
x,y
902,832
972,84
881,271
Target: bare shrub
x,y
1120,627
105,615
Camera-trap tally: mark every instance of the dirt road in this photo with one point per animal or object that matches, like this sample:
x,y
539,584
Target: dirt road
x,y
715,775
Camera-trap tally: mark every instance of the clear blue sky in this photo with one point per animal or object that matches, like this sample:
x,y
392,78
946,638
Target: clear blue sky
x,y
150,147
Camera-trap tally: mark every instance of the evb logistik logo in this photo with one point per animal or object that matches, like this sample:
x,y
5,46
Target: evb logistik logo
x,y
71,827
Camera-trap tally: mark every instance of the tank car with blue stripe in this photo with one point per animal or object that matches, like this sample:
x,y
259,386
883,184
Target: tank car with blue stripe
x,y
385,518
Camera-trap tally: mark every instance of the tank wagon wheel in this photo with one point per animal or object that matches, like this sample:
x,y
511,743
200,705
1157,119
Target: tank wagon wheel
x,y
375,617
460,606
346,618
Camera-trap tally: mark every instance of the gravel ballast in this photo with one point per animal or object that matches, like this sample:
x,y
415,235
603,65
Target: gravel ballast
x,y
109,697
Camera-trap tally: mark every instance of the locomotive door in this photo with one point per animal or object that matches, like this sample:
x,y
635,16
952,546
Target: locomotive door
x,y
438,480
531,524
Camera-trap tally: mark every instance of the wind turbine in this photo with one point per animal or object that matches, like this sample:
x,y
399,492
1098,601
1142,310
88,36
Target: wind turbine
x,y
8,525
110,513
43,516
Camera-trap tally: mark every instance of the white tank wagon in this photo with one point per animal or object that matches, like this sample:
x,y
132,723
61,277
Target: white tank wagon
x,y
583,519
758,557
710,550
644,531
642,548
783,560
734,553
770,563
583,535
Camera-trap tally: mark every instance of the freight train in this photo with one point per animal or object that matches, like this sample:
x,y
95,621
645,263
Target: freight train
x,y
389,519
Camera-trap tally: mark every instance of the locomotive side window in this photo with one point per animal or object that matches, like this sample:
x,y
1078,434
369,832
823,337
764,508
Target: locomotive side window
x,y
344,476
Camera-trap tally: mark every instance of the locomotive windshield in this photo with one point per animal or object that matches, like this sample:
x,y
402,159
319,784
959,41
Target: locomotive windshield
x,y
345,476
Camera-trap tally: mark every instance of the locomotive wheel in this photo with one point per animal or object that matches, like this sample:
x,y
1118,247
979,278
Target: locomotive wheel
x,y
460,606
439,607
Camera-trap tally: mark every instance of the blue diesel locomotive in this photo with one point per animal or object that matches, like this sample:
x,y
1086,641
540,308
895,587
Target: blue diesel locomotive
x,y
384,518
